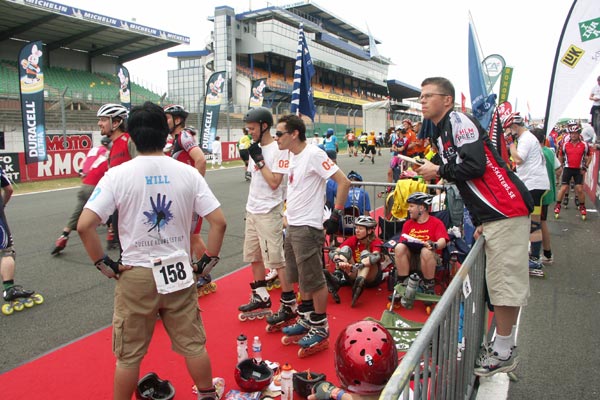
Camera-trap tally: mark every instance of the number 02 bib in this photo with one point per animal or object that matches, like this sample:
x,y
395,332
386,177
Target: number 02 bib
x,y
173,272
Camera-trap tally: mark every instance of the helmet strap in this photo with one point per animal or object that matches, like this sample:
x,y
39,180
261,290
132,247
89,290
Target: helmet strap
x,y
112,129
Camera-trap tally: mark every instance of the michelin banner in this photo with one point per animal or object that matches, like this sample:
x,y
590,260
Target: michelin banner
x,y
31,82
212,108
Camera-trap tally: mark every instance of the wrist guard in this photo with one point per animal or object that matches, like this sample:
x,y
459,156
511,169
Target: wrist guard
x,y
108,267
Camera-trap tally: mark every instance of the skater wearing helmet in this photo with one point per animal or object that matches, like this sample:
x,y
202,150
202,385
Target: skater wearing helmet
x,y
358,259
331,145
186,150
433,237
156,197
112,120
309,169
575,157
528,156
263,236
365,359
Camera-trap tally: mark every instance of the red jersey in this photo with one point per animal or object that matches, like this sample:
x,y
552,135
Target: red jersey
x,y
119,153
95,165
357,247
574,154
432,229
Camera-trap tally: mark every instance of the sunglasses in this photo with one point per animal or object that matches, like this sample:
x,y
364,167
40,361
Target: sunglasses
x,y
280,134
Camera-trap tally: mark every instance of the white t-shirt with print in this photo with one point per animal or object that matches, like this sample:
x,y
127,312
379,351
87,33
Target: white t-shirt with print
x,y
156,197
307,177
596,94
261,198
533,169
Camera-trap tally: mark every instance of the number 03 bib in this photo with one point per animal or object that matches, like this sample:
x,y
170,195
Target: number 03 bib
x,y
173,272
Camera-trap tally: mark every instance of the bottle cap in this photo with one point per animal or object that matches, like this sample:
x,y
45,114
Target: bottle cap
x,y
286,367
256,338
241,337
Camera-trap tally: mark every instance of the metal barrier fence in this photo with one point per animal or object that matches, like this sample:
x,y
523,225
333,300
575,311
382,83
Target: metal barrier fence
x,y
439,364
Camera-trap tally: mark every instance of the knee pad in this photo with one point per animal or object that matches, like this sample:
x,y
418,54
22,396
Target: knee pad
x,y
535,226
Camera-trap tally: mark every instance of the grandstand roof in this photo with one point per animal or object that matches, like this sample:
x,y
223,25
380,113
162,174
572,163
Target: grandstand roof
x,y
58,26
401,90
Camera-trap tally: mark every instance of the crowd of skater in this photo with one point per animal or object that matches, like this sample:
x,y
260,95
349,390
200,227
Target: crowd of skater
x,y
292,180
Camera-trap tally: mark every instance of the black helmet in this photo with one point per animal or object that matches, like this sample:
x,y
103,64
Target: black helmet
x,y
176,111
419,198
152,387
260,115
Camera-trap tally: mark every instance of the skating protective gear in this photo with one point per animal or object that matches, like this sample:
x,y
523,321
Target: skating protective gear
x,y
205,264
365,357
304,382
374,258
344,251
573,126
113,110
255,152
535,226
366,221
419,198
152,387
510,119
432,244
108,267
355,176
332,225
260,115
323,390
176,111
252,376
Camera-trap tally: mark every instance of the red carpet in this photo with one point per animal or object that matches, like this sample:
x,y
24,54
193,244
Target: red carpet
x,y
84,369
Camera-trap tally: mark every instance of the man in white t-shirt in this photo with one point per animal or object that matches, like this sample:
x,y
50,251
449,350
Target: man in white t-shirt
x,y
309,170
217,156
263,236
155,197
528,155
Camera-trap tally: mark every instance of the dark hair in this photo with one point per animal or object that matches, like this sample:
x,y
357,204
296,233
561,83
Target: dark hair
x,y
445,86
148,127
294,123
539,134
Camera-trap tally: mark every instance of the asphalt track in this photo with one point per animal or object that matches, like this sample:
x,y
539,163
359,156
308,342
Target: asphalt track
x,y
559,335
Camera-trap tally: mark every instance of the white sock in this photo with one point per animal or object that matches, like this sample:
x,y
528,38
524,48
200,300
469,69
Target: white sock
x,y
502,346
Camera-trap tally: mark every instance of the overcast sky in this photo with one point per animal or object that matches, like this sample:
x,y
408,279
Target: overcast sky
x,y
422,38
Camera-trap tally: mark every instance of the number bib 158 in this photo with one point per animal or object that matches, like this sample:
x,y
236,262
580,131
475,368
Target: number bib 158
x,y
173,272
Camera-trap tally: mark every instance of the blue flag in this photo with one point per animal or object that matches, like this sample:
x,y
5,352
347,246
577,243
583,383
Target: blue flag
x,y
302,94
482,102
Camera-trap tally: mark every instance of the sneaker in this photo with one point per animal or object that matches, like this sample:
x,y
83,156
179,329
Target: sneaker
x,y
491,364
547,260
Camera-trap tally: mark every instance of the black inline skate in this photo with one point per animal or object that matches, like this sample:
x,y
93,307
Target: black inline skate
x,y
259,305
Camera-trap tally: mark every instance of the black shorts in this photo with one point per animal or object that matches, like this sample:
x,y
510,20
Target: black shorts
x,y
370,149
569,173
350,143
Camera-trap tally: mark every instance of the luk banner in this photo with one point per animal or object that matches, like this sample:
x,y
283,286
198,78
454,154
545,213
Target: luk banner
x,y
31,83
63,160
124,87
212,108
11,167
258,93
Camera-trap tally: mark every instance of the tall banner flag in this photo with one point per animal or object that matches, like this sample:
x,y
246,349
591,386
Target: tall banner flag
x,y
212,108
482,103
576,58
497,132
463,102
505,84
372,45
257,94
303,102
124,87
31,83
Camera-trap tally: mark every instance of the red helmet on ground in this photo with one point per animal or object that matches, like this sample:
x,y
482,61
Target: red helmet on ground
x,y
252,376
365,357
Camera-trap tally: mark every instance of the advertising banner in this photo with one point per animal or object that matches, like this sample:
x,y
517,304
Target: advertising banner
x,y
124,87
31,84
212,108
257,93
11,166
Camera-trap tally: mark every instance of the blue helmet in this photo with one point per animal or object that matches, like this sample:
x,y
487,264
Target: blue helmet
x,y
355,176
329,132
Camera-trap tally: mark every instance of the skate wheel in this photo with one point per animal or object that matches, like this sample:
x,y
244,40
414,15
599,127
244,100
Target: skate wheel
x,y
213,287
277,284
28,303
241,317
7,309
286,340
37,298
583,217
555,216
206,290
251,317
269,286
18,306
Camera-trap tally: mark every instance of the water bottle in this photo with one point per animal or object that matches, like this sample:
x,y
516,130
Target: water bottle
x,y
411,292
287,385
242,348
257,349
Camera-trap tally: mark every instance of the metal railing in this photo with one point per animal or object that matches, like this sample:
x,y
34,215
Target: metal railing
x,y
440,362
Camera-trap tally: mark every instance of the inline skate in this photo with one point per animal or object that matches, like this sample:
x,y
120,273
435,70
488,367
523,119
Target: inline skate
x,y
286,316
18,299
259,305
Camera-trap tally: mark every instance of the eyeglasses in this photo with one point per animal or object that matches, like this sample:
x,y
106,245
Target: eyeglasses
x,y
427,96
280,134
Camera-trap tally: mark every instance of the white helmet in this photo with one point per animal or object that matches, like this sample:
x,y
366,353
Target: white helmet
x,y
113,110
